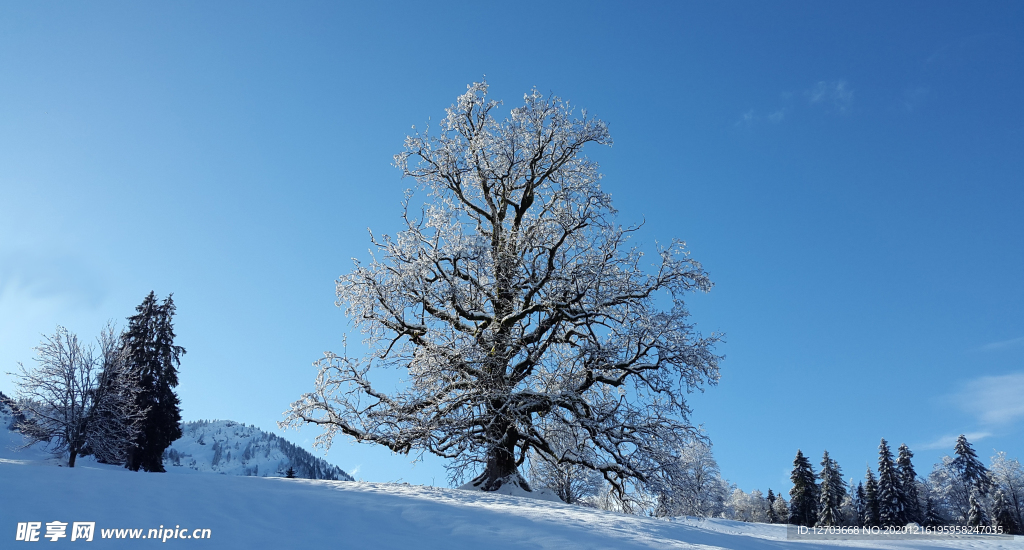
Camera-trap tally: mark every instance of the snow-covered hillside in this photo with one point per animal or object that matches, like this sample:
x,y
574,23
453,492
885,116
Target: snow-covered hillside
x,y
227,447
271,513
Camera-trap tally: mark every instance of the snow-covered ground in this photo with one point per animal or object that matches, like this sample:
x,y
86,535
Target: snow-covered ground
x,y
275,513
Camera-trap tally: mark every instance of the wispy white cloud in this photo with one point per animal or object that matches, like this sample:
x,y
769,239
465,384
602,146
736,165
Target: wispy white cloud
x,y
818,92
994,400
746,119
1012,342
837,93
750,117
830,95
913,97
948,441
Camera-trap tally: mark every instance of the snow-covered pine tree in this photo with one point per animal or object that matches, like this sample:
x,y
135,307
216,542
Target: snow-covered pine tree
x,y
971,472
150,350
976,516
803,497
957,479
831,492
891,498
513,302
860,505
908,479
1004,514
931,513
772,516
839,485
871,512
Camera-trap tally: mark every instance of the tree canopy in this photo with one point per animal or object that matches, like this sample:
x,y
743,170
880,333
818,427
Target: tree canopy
x,y
518,309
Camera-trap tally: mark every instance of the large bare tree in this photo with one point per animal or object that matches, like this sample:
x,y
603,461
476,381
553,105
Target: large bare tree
x,y
515,305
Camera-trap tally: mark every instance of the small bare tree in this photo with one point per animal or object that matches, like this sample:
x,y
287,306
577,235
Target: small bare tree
x,y
74,406
55,397
513,301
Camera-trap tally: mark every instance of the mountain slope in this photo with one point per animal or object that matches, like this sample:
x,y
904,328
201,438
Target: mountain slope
x,y
227,447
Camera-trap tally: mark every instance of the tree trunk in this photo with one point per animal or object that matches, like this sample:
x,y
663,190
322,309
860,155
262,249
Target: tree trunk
x,y
71,461
501,465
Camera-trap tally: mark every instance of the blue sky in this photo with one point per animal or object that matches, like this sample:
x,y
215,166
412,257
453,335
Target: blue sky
x,y
850,174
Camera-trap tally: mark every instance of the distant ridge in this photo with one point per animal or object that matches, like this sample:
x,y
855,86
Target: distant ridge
x,y
232,448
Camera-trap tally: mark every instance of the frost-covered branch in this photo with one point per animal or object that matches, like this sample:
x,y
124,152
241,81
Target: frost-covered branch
x,y
518,309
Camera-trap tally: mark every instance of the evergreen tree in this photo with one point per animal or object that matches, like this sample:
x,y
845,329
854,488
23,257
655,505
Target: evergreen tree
x,y
860,503
772,516
972,475
150,351
871,501
290,474
1004,515
977,516
908,478
803,497
837,482
931,513
831,493
891,498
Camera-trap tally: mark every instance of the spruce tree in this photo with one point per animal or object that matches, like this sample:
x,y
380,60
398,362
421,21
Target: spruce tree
x,y
290,474
150,350
908,478
971,473
871,501
931,513
891,497
1004,516
976,517
838,484
772,516
803,497
831,493
859,502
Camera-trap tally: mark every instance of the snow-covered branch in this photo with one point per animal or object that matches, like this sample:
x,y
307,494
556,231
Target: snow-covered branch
x,y
517,306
